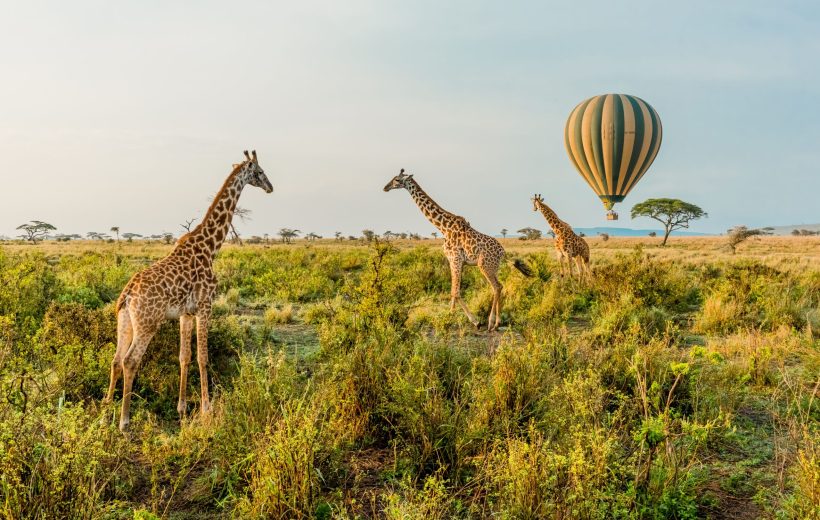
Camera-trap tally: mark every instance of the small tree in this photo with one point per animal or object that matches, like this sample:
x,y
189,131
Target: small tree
x,y
338,236
368,234
288,234
93,235
35,230
312,236
116,231
187,225
739,234
167,238
551,233
672,213
653,234
504,232
434,234
604,236
529,233
129,237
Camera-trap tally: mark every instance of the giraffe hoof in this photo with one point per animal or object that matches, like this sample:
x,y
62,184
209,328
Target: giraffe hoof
x,y
182,408
206,408
124,425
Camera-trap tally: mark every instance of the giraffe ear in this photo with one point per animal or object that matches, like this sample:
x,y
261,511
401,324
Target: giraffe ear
x,y
236,165
248,157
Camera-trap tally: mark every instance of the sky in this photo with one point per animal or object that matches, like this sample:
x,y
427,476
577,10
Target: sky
x,y
131,113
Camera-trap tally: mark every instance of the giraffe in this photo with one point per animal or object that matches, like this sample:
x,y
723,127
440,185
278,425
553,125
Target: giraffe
x,y
568,245
181,285
462,245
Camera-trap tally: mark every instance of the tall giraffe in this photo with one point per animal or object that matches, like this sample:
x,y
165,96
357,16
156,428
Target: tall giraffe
x,y
462,245
568,245
181,285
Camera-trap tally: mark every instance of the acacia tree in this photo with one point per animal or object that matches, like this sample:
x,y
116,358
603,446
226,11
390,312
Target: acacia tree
x,y
93,235
504,233
35,230
116,231
131,236
529,233
672,213
739,234
368,234
288,234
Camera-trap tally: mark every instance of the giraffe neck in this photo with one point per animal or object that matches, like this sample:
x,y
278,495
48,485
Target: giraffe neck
x,y
555,223
438,216
213,229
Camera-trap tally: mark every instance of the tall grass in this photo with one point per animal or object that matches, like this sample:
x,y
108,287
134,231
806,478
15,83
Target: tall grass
x,y
670,385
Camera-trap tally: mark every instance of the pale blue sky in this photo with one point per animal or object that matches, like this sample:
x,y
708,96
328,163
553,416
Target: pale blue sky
x,y
131,113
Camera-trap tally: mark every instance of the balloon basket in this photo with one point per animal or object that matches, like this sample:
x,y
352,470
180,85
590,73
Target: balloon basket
x,y
611,215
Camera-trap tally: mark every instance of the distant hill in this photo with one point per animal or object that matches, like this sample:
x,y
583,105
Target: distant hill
x,y
787,230
628,232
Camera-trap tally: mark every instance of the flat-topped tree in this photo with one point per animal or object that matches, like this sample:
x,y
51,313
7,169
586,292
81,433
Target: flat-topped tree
x,y
739,234
35,230
288,234
529,233
672,213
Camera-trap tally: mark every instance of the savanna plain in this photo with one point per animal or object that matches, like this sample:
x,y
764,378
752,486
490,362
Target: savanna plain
x,y
678,382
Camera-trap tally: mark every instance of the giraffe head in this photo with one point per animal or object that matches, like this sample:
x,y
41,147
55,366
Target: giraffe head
x,y
254,174
399,181
537,200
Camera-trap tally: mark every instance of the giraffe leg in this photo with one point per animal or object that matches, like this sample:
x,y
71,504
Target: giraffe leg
x,y
456,265
495,309
130,364
125,335
202,318
577,262
186,325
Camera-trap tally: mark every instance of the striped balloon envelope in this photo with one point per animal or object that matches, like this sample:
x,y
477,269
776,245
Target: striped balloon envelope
x,y
612,140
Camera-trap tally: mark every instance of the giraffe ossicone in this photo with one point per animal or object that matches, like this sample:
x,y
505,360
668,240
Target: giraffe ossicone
x,y
181,285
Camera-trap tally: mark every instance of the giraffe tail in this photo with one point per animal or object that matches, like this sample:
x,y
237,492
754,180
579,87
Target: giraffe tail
x,y
523,267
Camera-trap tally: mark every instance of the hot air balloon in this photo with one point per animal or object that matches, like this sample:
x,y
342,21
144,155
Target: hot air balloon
x,y
612,140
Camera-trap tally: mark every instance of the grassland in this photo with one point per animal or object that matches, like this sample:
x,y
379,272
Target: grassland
x,y
679,382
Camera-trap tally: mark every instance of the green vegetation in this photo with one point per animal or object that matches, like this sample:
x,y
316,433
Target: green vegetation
x,y
344,387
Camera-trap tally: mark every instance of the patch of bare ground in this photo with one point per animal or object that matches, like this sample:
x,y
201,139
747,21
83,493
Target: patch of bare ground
x,y
364,485
742,468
